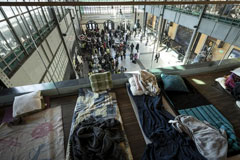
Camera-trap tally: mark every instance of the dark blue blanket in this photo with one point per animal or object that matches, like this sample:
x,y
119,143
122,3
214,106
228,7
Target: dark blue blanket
x,y
167,144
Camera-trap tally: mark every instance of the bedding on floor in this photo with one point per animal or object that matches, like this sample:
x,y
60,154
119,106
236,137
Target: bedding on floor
x,y
40,136
183,100
210,114
210,142
97,130
167,143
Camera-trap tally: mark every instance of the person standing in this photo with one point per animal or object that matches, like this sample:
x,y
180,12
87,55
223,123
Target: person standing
x,y
168,43
132,46
124,52
137,47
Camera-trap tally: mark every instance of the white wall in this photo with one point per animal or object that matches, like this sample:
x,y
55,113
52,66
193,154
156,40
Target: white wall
x,y
33,70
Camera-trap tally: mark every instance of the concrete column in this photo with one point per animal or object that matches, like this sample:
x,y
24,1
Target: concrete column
x,y
135,16
161,26
188,52
78,18
145,21
155,48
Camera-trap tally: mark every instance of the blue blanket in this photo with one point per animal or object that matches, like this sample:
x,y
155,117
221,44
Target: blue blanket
x,y
210,114
167,143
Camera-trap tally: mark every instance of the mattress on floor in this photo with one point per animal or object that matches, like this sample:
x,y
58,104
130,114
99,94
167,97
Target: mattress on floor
x,y
135,109
182,100
210,114
108,100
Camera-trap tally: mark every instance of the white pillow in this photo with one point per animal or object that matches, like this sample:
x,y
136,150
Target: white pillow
x,y
236,71
133,87
221,81
27,103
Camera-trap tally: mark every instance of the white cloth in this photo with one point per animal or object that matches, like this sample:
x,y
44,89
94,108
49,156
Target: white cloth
x,y
148,83
27,103
236,71
210,142
133,87
221,81
144,83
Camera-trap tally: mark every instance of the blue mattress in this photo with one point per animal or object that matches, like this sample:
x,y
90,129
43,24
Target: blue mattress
x,y
210,114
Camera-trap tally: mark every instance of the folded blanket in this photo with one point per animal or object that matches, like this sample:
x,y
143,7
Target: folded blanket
x,y
101,81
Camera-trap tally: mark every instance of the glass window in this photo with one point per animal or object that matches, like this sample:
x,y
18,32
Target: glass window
x,y
23,9
8,11
15,11
4,49
35,20
29,22
1,16
18,29
4,28
7,71
46,12
14,64
2,64
39,18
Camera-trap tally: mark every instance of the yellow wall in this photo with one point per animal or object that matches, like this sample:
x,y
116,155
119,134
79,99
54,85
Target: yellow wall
x,y
235,47
201,43
149,16
218,53
154,22
173,30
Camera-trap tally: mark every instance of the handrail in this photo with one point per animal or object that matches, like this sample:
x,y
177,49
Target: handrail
x,y
114,3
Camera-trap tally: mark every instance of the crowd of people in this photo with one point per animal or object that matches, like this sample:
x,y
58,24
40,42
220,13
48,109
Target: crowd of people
x,y
97,46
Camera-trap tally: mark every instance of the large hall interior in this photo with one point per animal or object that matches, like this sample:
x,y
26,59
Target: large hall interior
x,y
119,80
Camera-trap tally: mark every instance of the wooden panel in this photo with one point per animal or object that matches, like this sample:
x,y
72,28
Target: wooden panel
x,y
130,123
223,101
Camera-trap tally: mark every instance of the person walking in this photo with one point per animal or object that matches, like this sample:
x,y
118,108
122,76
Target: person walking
x,y
137,47
157,57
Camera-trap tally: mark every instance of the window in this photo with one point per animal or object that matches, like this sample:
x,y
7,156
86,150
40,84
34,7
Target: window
x,y
4,49
6,31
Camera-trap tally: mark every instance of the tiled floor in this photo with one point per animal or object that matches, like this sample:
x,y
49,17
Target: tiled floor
x,y
146,56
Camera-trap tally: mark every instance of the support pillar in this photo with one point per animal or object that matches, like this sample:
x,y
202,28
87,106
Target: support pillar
x,y
135,18
145,22
74,28
155,48
161,27
78,18
188,52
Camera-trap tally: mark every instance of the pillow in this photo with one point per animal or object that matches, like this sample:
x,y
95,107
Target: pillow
x,y
101,81
236,71
27,103
133,87
174,83
221,81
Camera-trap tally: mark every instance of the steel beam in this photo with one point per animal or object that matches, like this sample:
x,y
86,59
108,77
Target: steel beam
x,y
188,52
114,3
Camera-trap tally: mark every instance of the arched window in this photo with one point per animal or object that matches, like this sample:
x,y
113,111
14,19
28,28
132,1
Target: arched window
x,y
91,25
109,24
